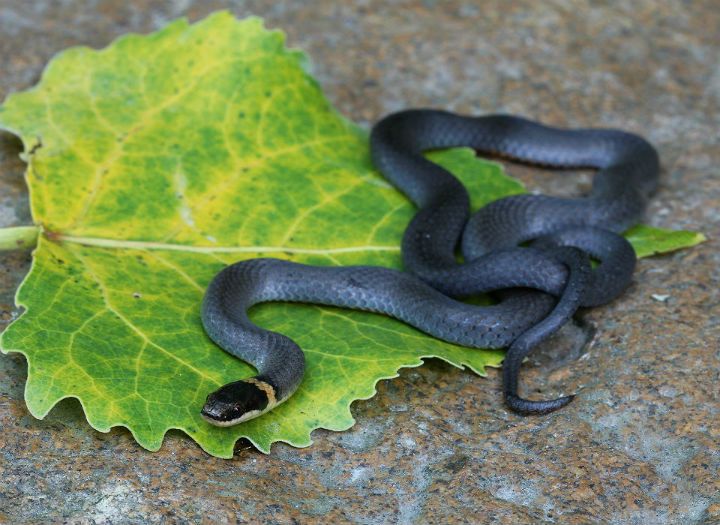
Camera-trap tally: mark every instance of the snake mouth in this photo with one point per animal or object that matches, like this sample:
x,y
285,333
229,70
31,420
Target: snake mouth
x,y
214,418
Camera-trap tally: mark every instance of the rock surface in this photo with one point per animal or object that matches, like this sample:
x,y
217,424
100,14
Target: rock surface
x,y
639,445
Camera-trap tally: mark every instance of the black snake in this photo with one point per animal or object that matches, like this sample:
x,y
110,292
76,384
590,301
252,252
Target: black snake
x,y
563,234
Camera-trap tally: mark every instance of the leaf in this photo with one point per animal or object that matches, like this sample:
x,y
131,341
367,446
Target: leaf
x,y
158,160
651,241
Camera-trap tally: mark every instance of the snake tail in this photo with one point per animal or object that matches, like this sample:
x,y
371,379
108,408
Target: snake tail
x,y
578,263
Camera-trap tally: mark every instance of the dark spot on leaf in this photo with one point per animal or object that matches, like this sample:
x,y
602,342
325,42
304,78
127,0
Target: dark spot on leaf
x,y
267,93
36,146
241,114
137,295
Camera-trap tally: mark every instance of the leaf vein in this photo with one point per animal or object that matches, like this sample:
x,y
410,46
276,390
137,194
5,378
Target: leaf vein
x,y
132,325
151,245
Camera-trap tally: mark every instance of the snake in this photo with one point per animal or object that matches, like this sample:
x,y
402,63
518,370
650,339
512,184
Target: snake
x,y
533,251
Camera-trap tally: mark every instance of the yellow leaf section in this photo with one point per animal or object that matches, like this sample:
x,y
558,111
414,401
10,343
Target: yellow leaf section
x,y
195,116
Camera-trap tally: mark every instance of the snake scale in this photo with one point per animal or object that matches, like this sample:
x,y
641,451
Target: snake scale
x,y
539,285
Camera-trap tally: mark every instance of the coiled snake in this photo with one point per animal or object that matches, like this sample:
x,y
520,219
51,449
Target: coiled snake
x,y
562,232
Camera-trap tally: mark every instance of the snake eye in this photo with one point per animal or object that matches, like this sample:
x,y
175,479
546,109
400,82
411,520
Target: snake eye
x,y
234,403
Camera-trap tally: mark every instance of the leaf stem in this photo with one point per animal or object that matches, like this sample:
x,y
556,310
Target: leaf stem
x,y
19,237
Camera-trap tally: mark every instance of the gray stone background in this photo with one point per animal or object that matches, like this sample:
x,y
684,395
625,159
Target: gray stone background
x,y
638,445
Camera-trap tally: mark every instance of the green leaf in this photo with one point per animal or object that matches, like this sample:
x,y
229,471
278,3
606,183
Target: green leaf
x,y
158,160
651,241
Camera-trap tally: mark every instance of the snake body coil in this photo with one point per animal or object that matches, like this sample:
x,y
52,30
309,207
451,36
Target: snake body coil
x,y
563,231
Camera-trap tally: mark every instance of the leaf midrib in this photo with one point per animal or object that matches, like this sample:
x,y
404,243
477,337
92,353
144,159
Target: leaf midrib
x,y
152,245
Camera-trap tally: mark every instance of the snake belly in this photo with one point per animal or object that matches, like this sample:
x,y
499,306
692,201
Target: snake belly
x,y
553,266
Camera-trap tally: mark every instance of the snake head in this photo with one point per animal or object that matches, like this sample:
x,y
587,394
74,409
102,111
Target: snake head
x,y
238,401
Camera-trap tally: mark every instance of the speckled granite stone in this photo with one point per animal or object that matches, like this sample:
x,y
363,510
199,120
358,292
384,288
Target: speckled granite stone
x,y
641,444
